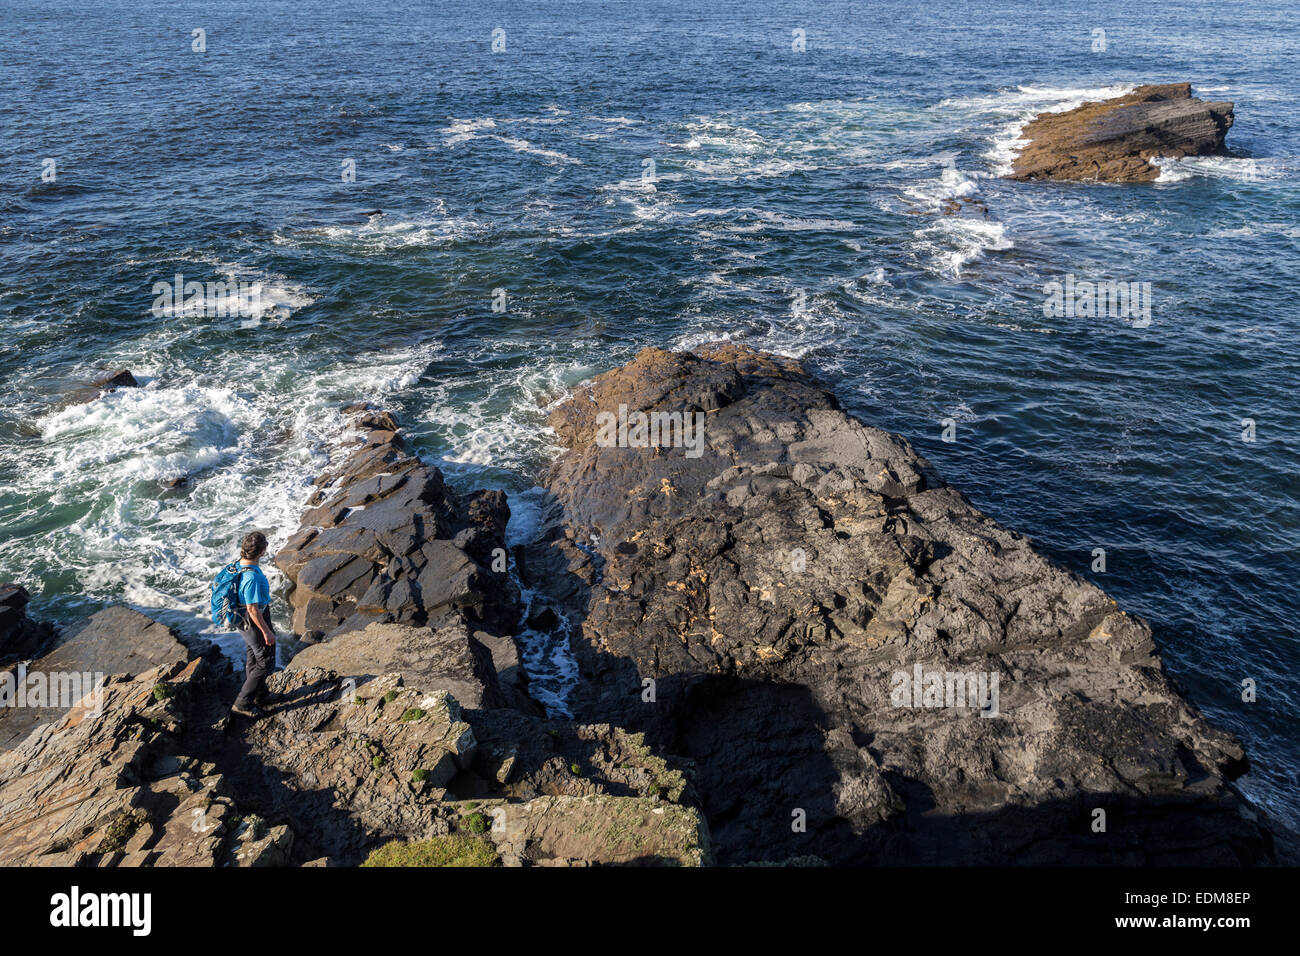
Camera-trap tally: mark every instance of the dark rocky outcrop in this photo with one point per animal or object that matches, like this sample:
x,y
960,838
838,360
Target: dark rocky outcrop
x,y
410,720
1114,140
774,588
355,764
105,785
21,638
148,769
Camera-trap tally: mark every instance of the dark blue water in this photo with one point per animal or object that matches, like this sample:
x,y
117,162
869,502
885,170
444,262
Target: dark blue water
x,y
652,173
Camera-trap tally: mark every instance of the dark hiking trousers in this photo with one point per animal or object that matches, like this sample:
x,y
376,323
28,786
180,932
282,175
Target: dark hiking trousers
x,y
259,663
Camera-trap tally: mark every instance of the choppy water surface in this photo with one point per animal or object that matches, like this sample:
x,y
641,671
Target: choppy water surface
x,y
775,173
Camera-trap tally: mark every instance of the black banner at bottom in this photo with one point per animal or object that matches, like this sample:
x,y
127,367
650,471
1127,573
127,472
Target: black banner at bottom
x,y
339,906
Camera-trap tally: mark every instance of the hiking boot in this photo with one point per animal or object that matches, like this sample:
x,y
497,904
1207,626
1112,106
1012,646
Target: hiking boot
x,y
246,710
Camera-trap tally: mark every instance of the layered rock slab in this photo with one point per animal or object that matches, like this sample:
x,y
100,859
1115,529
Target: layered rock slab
x,y
384,539
1115,140
106,785
116,640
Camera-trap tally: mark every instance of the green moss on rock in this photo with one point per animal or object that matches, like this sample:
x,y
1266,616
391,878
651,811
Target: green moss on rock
x,y
119,830
438,851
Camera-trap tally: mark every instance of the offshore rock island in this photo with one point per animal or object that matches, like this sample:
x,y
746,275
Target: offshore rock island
x,y
1115,140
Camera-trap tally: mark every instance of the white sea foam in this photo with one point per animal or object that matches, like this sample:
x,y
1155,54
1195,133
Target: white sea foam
x,y
276,296
524,146
383,234
752,219
745,167
1022,105
468,130
1215,167
951,183
503,423
951,242
787,332
149,433
948,242
464,130
247,438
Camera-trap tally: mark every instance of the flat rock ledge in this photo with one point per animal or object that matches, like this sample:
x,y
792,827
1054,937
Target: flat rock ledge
x,y
1115,140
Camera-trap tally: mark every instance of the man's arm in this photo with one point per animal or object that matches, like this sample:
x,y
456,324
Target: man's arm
x,y
262,623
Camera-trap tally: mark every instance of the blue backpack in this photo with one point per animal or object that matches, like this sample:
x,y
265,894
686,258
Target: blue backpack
x,y
227,612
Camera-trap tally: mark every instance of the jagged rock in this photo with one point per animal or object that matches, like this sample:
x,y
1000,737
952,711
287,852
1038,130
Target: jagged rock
x,y
21,638
142,774
364,768
385,540
116,640
257,844
1115,140
532,757
352,772
511,679
97,787
774,589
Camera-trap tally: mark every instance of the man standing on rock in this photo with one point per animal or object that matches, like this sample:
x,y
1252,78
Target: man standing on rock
x,y
259,635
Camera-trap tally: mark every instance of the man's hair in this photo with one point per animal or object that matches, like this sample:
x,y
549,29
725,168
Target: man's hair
x,y
253,545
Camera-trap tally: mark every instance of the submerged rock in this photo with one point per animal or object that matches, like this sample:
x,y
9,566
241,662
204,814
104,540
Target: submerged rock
x,y
859,664
119,379
102,386
1115,140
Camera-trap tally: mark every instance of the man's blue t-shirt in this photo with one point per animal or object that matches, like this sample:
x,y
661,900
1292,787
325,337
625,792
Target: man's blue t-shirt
x,y
254,588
